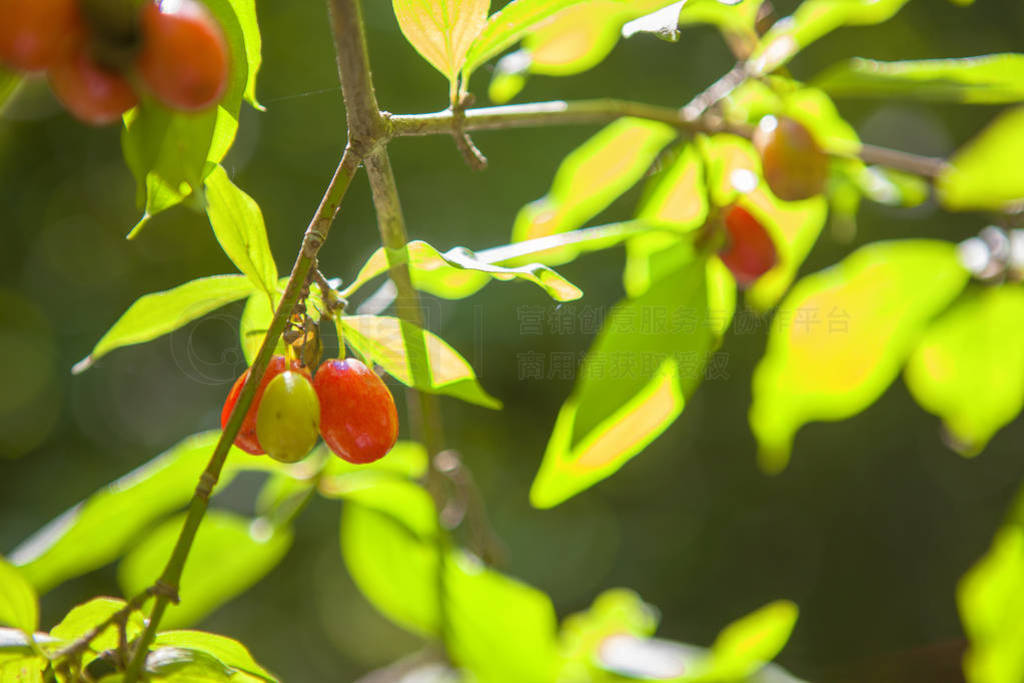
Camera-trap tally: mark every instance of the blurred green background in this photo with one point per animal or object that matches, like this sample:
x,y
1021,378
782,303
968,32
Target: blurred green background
x,y
868,530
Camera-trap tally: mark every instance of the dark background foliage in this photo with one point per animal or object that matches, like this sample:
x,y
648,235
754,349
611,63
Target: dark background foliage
x,y
868,530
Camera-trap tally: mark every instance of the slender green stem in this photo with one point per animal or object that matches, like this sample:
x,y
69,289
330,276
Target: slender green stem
x,y
167,585
584,112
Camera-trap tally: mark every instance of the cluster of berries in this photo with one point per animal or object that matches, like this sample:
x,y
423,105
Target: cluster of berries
x,y
795,167
99,54
346,403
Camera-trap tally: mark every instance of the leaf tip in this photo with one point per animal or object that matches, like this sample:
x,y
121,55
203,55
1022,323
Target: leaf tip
x,y
83,365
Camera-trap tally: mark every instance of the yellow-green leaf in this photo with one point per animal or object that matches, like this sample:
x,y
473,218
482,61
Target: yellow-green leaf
x,y
987,173
384,339
154,315
19,606
841,336
750,642
442,30
969,366
593,176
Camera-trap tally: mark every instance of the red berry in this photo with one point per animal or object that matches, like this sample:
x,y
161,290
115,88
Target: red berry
x,y
184,57
90,92
35,33
795,167
246,439
750,252
358,419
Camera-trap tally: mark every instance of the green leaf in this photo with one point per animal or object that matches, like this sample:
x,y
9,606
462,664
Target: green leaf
x,y
987,79
501,629
187,666
384,340
747,644
25,670
167,152
86,616
19,606
157,314
398,498
594,175
229,555
986,173
991,599
647,359
615,611
226,650
442,30
812,20
969,366
238,225
406,458
99,529
392,567
842,335
507,26
458,273
10,81
170,153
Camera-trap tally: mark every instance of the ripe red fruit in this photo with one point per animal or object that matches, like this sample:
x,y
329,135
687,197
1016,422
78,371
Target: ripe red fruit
x,y
35,33
247,439
750,252
90,92
184,57
358,419
794,165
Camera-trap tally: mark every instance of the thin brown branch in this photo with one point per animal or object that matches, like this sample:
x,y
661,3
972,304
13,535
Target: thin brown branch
x,y
587,112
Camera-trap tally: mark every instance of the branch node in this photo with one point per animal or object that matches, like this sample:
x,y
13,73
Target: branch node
x,y
472,155
204,489
163,589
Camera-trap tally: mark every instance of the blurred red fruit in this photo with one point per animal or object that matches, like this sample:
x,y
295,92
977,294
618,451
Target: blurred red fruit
x,y
87,90
795,167
750,252
246,438
34,34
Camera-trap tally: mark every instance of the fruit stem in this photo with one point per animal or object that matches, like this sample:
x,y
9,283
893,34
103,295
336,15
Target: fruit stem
x,y
312,240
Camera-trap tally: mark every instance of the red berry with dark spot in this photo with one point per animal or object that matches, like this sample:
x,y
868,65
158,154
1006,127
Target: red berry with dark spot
x,y
246,439
91,93
34,34
749,252
184,57
358,419
795,167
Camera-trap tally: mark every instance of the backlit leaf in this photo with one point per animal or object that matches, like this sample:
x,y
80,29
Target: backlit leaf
x,y
593,176
988,79
19,606
99,529
157,314
229,555
177,664
442,30
82,618
647,359
841,336
384,340
226,650
990,598
812,20
459,272
749,643
969,366
237,223
9,83
986,173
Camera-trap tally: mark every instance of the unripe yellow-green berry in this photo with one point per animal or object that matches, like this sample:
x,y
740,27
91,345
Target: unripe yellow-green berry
x,y
288,420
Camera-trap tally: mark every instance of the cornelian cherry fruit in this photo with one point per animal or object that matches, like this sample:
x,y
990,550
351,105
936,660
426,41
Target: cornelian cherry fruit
x,y
794,165
184,56
750,252
288,419
35,33
358,419
90,92
247,438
